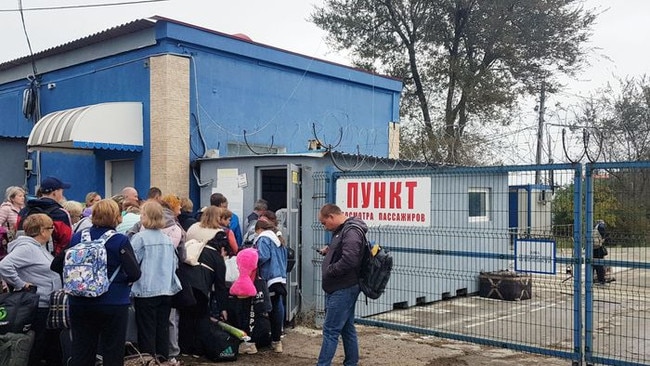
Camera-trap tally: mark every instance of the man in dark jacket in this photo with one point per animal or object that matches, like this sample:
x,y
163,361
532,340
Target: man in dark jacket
x,y
341,268
49,203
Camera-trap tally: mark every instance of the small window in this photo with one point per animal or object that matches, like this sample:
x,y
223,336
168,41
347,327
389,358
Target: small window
x,y
479,204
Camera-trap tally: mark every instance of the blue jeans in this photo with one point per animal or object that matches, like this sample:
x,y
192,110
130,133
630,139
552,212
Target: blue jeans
x,y
277,317
339,320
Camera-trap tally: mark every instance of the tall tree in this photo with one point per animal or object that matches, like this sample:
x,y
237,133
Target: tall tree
x,y
462,61
619,118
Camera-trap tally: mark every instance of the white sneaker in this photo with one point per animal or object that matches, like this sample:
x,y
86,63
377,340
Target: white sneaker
x,y
247,348
277,346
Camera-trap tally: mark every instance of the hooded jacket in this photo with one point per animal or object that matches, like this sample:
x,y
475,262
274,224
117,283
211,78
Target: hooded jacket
x,y
342,263
29,262
8,215
62,225
272,258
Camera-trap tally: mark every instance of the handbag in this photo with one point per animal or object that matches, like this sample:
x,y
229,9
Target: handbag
x,y
261,303
58,316
184,297
17,310
232,271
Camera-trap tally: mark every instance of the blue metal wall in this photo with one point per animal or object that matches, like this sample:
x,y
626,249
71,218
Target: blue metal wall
x,y
279,98
121,78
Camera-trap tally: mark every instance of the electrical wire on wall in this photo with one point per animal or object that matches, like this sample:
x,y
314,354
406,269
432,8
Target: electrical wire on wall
x,y
31,107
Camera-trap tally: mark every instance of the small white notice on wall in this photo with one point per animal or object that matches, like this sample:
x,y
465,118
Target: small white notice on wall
x,y
242,181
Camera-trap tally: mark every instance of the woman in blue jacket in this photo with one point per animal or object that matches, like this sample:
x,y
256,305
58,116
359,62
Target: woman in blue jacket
x,y
103,318
153,292
272,268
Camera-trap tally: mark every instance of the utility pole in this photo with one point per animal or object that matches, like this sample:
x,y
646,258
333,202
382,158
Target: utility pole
x,y
540,127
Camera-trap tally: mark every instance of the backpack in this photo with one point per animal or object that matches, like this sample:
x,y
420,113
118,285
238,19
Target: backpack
x,y
249,235
34,210
376,266
194,248
85,270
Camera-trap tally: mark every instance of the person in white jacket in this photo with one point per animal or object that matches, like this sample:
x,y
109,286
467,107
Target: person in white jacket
x,y
27,267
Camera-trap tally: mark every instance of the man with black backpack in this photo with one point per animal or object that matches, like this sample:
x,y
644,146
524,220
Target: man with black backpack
x,y
49,203
341,269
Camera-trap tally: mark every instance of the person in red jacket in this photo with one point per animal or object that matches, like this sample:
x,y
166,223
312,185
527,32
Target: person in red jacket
x,y
49,203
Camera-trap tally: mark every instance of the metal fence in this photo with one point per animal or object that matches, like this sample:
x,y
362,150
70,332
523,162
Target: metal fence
x,y
617,313
506,260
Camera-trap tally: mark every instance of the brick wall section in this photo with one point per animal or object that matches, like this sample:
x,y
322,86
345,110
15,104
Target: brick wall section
x,y
170,131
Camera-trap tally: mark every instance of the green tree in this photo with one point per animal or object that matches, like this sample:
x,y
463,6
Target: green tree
x,y
462,61
617,126
619,118
606,205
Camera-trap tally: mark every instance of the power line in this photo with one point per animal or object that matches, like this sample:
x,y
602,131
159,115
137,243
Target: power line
x,y
29,43
21,9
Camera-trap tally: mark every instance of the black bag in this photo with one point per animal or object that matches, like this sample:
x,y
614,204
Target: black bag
x,y
17,311
58,316
15,348
260,330
262,301
184,297
376,267
220,345
600,252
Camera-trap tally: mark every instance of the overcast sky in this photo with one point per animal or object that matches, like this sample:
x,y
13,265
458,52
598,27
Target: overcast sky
x,y
621,40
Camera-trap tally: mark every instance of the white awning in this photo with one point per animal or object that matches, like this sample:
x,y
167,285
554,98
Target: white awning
x,y
110,126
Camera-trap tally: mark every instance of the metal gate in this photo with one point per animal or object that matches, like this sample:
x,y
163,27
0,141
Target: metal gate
x,y
504,259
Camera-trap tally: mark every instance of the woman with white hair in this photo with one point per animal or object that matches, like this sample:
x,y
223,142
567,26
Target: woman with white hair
x,y
14,202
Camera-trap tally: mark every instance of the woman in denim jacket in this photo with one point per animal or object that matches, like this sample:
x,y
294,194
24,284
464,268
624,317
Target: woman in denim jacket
x,y
153,291
272,268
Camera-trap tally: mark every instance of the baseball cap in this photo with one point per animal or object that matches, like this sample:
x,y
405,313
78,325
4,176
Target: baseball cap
x,y
51,184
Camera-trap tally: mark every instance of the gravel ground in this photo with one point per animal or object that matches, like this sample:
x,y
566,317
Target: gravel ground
x,y
379,346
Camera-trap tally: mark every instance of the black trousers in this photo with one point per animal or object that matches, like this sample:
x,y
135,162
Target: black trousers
x,y
89,324
152,319
193,325
46,342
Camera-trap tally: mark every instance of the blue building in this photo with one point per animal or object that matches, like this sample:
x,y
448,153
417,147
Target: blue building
x,y
143,103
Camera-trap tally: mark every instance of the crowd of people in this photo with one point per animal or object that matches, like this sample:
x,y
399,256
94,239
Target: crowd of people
x,y
145,246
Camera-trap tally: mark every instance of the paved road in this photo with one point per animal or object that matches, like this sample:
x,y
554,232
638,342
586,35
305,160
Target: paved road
x,y
546,320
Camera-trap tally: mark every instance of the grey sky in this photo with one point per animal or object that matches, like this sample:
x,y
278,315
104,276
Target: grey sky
x,y
620,41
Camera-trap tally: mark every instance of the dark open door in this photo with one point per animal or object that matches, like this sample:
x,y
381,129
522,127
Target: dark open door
x,y
293,238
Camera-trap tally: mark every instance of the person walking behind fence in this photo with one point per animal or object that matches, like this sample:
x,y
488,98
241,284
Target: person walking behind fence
x,y
340,273
601,238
